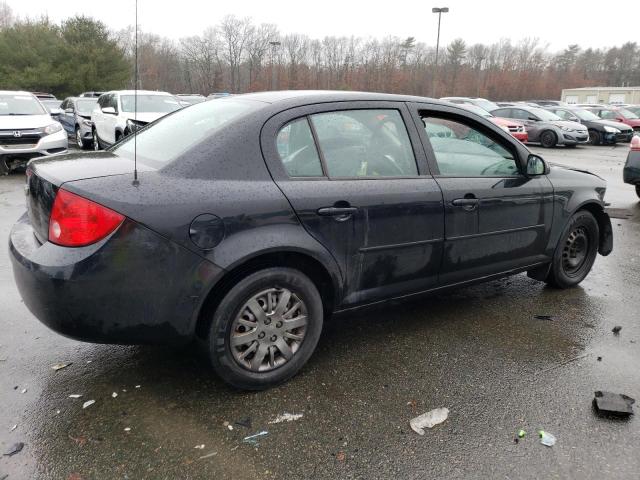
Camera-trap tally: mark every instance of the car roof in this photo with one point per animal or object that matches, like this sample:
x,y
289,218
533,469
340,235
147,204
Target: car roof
x,y
324,96
15,92
139,92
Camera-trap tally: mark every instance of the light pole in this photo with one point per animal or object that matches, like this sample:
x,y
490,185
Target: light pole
x,y
274,44
439,11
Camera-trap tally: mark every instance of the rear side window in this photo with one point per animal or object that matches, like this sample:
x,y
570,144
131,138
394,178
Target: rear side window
x,y
463,151
297,149
364,143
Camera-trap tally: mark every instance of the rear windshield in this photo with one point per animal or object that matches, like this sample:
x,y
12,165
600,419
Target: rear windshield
x,y
20,105
173,135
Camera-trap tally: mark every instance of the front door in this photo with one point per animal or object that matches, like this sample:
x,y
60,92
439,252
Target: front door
x,y
359,185
496,218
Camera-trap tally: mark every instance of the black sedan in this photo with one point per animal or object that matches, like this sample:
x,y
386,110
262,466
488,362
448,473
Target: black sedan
x,y
601,132
255,217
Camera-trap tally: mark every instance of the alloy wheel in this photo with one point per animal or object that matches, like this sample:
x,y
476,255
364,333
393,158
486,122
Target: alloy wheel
x,y
79,138
268,330
96,144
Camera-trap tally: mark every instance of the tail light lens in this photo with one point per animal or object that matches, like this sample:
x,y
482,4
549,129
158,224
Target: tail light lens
x,y
76,221
635,144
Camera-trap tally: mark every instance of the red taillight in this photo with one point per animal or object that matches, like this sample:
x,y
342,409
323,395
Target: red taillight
x,y
76,221
635,144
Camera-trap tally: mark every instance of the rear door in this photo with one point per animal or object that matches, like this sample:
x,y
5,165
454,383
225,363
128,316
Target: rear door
x,y
67,119
357,177
496,219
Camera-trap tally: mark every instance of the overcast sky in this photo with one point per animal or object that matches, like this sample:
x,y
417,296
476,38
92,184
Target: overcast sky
x,y
555,23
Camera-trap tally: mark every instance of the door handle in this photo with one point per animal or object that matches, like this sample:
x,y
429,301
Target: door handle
x,y
336,211
468,204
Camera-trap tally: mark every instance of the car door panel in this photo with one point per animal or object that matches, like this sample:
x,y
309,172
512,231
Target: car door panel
x,y
391,244
493,223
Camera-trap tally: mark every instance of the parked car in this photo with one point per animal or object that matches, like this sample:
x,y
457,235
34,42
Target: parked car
x,y
52,106
215,95
114,114
601,132
633,108
76,119
548,103
477,101
233,236
545,127
516,129
187,99
619,114
90,94
588,105
631,172
44,96
26,130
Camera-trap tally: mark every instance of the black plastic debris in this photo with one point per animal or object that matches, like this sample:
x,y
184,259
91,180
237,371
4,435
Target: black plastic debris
x,y
549,318
599,359
244,422
15,448
615,404
616,329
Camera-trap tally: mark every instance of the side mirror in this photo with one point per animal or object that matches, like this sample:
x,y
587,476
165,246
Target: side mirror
x,y
55,112
109,110
574,119
68,110
536,165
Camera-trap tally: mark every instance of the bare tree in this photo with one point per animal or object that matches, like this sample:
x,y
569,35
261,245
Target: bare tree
x,y
6,15
235,33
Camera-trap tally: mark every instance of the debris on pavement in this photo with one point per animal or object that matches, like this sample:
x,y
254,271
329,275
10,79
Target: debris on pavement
x,y
75,395
286,417
599,359
253,439
24,390
208,455
60,366
243,422
341,456
521,434
127,429
114,395
616,329
549,318
13,428
428,420
137,386
199,447
15,448
546,438
614,404
88,403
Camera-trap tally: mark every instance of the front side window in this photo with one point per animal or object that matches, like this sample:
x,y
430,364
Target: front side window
x,y
85,106
297,149
365,143
607,114
463,151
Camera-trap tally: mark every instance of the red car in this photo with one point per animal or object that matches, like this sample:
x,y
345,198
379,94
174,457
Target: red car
x,y
516,129
618,114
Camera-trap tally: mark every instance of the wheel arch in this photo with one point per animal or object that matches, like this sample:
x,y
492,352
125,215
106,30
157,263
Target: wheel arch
x,y
605,242
301,261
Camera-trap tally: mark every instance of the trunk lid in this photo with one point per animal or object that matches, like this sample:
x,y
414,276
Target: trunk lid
x,y
46,175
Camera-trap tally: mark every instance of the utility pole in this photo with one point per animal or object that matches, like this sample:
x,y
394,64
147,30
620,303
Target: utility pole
x,y
439,11
274,45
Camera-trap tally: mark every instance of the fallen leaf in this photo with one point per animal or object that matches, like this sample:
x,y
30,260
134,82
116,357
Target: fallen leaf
x,y
88,403
341,456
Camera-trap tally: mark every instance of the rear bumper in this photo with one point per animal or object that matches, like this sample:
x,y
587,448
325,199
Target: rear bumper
x,y
134,287
631,171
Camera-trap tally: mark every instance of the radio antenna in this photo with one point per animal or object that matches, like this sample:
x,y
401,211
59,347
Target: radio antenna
x,y
135,108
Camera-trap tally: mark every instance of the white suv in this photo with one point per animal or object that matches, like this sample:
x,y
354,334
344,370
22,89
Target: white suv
x,y
114,115
26,131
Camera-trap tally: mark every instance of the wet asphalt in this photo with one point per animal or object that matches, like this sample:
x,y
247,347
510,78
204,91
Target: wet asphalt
x,y
478,351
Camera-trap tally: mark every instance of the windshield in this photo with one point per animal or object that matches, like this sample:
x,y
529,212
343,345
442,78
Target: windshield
x,y
585,115
85,107
20,105
150,103
628,114
543,114
173,135
477,110
486,104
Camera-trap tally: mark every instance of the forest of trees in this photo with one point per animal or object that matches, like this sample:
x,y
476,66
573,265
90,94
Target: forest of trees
x,y
239,56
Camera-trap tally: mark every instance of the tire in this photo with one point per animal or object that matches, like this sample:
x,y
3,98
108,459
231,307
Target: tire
x,y
79,140
571,146
576,251
594,137
4,168
548,139
96,140
637,187
240,365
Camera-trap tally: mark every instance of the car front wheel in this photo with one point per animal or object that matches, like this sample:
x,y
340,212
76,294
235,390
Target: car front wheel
x,y
79,140
548,139
575,252
265,328
96,141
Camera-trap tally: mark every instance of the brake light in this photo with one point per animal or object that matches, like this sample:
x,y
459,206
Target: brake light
x,y
635,144
76,221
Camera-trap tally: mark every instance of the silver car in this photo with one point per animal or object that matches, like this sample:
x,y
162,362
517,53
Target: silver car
x,y
26,130
545,127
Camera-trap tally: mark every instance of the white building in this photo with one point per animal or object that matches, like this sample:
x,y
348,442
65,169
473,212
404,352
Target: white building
x,y
602,95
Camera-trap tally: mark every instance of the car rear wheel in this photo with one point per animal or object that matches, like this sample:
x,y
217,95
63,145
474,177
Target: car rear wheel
x,y
575,252
96,140
265,328
548,139
594,137
79,140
